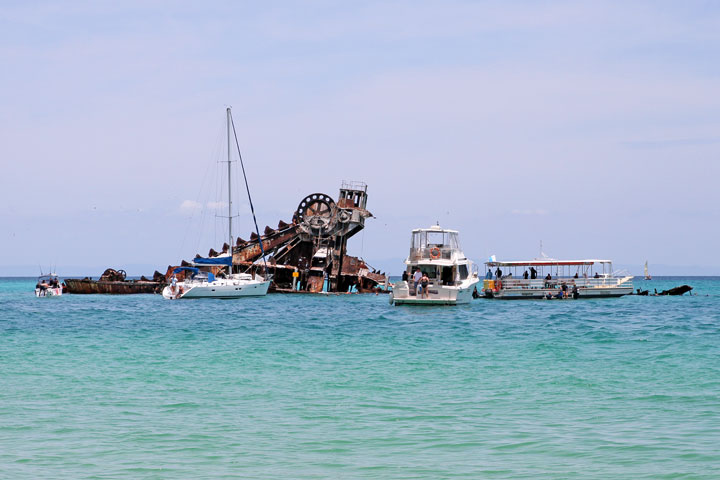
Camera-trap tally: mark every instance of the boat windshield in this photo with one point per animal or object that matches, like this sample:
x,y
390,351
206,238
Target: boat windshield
x,y
440,238
203,277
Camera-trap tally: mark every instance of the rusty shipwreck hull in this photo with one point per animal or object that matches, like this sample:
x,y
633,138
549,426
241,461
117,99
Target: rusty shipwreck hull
x,y
310,248
126,287
113,282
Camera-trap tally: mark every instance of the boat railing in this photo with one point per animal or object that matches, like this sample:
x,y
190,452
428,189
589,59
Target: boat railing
x,y
556,282
430,253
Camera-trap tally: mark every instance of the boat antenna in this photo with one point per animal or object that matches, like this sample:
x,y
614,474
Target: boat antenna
x,y
247,187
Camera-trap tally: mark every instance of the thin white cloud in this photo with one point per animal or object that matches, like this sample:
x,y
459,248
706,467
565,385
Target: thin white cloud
x,y
189,206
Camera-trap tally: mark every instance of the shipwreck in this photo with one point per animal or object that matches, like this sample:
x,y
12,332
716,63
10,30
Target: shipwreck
x,y
114,282
307,254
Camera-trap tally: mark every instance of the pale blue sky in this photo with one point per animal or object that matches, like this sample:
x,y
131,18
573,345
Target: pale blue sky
x,y
592,126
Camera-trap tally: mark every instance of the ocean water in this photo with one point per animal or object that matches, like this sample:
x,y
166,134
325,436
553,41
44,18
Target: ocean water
x,y
306,387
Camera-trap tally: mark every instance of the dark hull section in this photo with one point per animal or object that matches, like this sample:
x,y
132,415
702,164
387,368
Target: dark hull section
x,y
86,286
677,290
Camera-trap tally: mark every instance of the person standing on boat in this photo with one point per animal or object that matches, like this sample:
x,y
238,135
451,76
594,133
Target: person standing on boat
x,y
525,275
533,273
498,273
416,278
405,276
424,282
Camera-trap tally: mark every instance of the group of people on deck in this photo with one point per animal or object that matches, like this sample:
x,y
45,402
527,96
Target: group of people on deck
x,y
421,281
549,283
563,293
499,274
45,284
532,275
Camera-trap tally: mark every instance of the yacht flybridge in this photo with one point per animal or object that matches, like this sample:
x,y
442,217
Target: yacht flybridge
x,y
448,274
550,278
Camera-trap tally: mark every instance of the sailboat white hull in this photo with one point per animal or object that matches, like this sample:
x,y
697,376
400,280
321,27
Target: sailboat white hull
x,y
217,289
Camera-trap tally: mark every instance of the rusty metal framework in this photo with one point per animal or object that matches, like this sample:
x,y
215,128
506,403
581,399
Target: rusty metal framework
x,y
312,248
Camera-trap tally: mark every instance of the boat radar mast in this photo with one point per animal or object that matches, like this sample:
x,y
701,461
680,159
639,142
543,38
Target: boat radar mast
x,y
229,162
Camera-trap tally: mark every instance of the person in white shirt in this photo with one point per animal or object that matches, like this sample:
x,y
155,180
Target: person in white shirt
x,y
416,279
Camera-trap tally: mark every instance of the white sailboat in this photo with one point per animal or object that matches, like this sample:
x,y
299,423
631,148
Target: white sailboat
x,y
198,284
647,275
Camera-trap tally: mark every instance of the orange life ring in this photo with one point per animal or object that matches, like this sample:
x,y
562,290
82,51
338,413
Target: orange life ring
x,y
435,253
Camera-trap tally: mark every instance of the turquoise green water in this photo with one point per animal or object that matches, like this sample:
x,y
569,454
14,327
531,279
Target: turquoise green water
x,y
350,387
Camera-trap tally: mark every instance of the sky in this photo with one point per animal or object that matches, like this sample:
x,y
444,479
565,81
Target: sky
x,y
592,127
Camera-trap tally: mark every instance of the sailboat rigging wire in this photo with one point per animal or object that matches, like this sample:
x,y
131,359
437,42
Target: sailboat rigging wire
x,y
247,187
198,209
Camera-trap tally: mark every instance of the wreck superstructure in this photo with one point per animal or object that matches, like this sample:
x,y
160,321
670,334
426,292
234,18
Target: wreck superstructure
x,y
309,254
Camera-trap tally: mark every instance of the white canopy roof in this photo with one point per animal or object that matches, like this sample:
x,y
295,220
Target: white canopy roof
x,y
544,262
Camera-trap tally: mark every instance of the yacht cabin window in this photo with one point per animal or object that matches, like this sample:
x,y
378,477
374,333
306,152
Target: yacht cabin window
x,y
463,271
431,271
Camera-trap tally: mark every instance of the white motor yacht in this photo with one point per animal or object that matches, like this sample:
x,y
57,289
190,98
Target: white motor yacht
x,y
436,252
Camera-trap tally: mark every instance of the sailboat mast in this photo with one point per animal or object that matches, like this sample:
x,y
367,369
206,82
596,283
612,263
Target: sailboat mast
x,y
230,237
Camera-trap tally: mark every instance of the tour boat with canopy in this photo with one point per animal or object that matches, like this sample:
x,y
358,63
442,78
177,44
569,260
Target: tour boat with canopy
x,y
436,252
550,278
225,282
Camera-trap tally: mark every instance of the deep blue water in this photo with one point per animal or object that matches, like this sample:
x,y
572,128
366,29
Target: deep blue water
x,y
296,386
